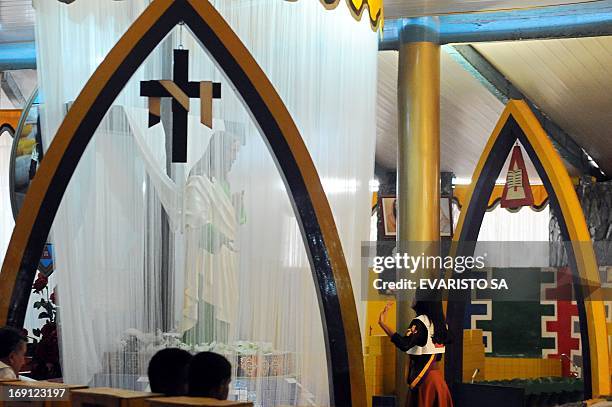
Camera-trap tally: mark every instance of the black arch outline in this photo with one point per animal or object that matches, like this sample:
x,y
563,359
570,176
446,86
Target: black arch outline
x,y
6,127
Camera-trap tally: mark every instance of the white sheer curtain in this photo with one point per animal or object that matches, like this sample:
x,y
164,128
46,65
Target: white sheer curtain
x,y
107,232
6,214
238,281
526,225
505,234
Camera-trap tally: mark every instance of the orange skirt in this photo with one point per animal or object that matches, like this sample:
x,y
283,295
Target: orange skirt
x,y
431,392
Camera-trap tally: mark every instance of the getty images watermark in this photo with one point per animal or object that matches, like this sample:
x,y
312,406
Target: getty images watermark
x,y
498,271
404,262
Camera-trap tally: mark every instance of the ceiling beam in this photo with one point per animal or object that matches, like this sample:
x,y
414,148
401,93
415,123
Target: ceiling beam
x,y
591,19
11,89
17,55
492,79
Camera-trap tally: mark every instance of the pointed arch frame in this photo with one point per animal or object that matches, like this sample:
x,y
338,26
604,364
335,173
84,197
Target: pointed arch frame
x,y
323,246
518,122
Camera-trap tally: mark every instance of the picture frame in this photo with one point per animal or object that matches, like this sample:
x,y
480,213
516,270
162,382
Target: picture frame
x,y
388,206
389,214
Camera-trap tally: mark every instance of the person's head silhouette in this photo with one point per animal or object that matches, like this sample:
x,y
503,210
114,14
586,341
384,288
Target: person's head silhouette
x,y
12,352
209,376
168,372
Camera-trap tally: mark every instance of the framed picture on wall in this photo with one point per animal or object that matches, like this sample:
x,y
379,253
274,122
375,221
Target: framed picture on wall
x,y
389,212
446,217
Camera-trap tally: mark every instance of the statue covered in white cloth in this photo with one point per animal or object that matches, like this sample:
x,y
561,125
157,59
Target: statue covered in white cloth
x,y
205,212
212,214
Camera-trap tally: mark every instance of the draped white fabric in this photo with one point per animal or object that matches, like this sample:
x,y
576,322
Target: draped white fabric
x,y
231,273
6,214
526,225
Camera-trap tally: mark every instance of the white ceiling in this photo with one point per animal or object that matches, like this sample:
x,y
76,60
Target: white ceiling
x,y
16,20
568,79
412,8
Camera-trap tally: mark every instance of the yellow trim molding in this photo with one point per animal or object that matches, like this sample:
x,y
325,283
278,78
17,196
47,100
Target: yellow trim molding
x,y
357,7
540,196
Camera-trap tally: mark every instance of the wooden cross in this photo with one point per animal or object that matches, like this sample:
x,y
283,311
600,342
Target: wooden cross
x,y
180,89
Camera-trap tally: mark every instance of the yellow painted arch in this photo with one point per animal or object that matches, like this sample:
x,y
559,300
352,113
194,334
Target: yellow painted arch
x,y
572,214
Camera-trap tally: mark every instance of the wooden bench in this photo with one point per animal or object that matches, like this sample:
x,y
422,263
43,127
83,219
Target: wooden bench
x,y
194,401
37,386
109,397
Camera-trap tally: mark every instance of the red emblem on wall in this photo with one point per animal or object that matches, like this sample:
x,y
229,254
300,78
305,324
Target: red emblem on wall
x,y
517,191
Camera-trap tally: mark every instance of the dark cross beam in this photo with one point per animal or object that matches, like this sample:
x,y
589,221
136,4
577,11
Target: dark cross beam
x,y
156,89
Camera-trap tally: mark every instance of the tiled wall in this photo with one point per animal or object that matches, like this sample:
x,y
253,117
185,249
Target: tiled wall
x,y
379,359
473,355
521,368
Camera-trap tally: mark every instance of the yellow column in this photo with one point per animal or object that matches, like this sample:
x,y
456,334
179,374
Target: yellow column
x,y
418,171
419,142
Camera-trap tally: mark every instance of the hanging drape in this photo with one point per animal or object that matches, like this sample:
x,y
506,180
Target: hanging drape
x,y
6,214
207,254
516,239
504,231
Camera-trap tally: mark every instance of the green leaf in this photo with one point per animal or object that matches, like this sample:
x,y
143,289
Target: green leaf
x,y
37,305
36,332
43,315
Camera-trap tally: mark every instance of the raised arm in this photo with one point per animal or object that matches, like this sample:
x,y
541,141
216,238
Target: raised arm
x,y
381,320
415,336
